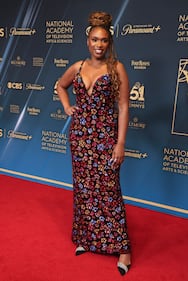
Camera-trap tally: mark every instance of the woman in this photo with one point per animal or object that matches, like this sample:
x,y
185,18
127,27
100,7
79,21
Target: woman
x,y
97,138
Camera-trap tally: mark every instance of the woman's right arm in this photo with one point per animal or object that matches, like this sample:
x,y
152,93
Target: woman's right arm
x,y
63,84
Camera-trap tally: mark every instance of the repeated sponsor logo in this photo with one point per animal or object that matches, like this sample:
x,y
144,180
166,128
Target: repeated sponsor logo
x,y
36,87
137,99
2,32
61,62
24,86
18,62
133,29
59,31
55,95
182,32
1,133
58,115
16,31
55,87
134,153
181,100
13,134
33,111
21,31
15,85
134,123
38,61
175,160
53,141
140,64
18,135
14,108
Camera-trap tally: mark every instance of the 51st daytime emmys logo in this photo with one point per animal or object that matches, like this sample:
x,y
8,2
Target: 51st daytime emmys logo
x,y
137,99
183,29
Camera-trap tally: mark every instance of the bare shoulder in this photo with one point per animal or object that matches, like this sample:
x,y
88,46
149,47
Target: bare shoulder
x,y
121,70
77,65
74,68
121,67
68,76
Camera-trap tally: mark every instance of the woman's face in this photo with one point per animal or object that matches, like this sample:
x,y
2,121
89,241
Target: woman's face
x,y
98,42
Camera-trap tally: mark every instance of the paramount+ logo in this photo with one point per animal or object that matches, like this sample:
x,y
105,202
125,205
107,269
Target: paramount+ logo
x,y
2,32
15,85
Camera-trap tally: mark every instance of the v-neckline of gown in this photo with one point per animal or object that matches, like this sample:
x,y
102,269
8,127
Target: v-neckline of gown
x,y
94,84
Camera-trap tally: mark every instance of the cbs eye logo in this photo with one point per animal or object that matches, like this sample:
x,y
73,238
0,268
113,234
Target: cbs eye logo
x,y
2,32
1,133
15,85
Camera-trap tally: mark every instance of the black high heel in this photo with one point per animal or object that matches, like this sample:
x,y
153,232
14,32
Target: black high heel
x,y
122,268
79,250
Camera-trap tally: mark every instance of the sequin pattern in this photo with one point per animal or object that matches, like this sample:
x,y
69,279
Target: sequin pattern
x,y
99,221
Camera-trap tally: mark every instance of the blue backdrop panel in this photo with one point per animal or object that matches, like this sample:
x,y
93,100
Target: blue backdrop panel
x,y
40,39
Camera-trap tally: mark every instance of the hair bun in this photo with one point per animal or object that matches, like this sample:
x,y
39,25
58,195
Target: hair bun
x,y
100,19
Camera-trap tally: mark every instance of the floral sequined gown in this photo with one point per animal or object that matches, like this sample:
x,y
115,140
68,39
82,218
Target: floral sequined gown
x,y
99,221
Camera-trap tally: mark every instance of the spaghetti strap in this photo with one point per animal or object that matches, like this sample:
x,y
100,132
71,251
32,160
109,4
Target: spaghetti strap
x,y
80,68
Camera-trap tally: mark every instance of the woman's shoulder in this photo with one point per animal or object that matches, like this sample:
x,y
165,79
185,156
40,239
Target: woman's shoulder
x,y
120,66
78,63
76,66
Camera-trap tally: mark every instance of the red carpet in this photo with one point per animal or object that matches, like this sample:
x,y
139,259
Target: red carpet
x,y
35,244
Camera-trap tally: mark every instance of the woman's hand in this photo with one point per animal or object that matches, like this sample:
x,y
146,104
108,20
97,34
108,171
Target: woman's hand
x,y
70,110
118,155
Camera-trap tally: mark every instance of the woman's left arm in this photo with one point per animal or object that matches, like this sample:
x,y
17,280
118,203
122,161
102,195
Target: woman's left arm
x,y
123,118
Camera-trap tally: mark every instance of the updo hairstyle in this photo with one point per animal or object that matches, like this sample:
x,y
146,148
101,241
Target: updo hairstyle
x,y
104,20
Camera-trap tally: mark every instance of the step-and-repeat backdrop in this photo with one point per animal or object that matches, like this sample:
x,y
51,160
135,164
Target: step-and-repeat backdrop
x,y
40,39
